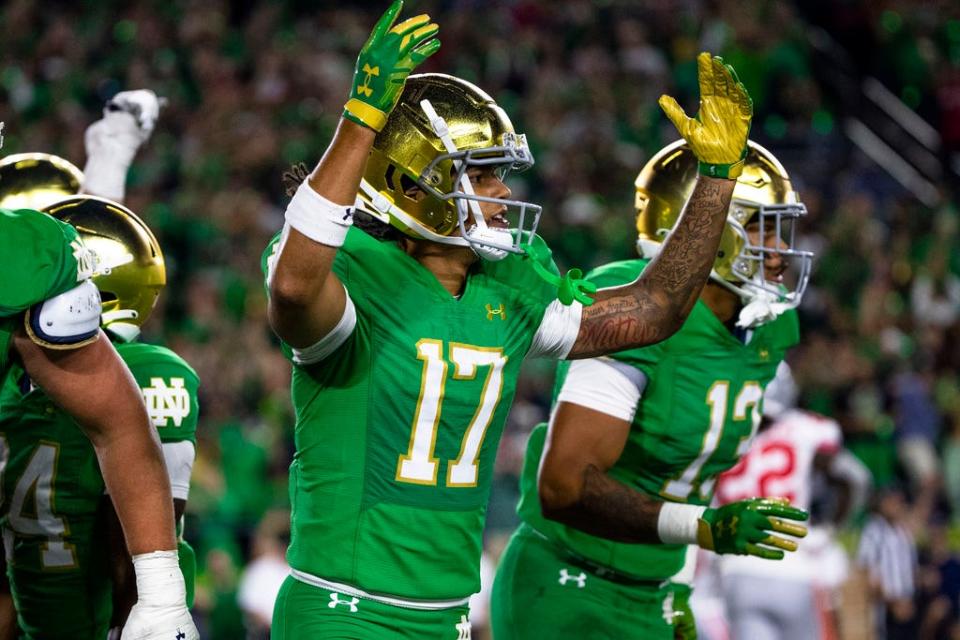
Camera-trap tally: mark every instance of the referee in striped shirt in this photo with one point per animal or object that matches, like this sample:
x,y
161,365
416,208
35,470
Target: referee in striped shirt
x,y
888,554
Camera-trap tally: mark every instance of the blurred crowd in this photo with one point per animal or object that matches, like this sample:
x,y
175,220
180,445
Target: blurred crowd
x,y
254,87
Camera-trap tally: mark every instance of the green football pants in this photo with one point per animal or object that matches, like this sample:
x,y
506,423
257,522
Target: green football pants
x,y
539,594
306,612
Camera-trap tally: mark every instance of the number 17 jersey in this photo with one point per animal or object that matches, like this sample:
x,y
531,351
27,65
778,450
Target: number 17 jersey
x,y
397,428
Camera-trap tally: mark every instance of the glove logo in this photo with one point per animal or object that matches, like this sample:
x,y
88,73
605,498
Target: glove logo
x,y
500,312
365,89
565,577
730,526
335,601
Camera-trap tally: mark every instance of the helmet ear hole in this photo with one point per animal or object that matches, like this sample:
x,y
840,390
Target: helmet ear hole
x,y
411,189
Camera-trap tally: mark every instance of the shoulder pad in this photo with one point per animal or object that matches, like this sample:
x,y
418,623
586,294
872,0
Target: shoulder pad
x,y
67,321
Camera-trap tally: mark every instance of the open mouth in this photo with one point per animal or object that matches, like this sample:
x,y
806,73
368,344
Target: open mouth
x,y
498,221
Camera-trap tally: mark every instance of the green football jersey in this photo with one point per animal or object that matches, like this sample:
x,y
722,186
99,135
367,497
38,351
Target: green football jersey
x,y
698,412
43,257
53,527
398,428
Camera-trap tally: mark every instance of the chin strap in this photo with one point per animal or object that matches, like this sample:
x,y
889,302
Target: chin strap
x,y
764,307
572,286
113,322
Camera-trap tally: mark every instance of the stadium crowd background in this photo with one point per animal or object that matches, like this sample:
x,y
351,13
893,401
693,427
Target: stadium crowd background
x,y
254,87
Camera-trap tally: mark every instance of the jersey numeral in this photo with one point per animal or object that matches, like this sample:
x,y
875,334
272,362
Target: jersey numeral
x,y
419,465
682,487
32,505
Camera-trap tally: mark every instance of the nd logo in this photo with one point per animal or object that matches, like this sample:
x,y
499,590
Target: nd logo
x,y
365,88
165,403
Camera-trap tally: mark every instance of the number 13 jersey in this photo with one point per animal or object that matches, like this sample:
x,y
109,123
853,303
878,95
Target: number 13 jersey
x,y
697,412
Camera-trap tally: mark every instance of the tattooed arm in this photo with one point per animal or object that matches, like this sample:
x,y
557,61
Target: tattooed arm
x,y
654,306
575,488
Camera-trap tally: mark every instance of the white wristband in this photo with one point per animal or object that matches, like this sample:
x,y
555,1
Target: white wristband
x,y
317,218
159,580
678,523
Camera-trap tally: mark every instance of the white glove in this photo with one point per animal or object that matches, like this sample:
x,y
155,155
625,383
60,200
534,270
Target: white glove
x,y
142,104
161,611
112,142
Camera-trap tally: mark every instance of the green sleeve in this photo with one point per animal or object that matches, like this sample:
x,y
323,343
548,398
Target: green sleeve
x,y
169,386
43,258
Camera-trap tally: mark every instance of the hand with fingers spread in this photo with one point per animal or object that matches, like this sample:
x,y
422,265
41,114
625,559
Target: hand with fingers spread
x,y
747,527
718,134
389,56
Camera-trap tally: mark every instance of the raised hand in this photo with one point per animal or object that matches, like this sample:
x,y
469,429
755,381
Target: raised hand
x,y
718,134
746,528
389,56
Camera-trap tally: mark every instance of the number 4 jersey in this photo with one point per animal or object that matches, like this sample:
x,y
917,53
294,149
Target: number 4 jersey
x,y
399,419
697,411
53,526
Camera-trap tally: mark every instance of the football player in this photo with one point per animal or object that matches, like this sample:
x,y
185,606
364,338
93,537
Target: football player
x,y
56,517
614,490
407,346
791,599
49,325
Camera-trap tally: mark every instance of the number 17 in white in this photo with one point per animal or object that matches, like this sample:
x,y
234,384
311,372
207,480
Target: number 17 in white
x,y
419,465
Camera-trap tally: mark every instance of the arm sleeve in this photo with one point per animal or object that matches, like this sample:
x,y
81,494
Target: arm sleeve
x,y
179,457
604,385
557,332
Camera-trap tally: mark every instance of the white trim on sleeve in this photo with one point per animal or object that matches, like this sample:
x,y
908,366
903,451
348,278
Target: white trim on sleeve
x,y
332,341
179,457
604,385
557,332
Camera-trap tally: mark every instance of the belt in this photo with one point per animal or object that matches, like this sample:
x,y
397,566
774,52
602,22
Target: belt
x,y
597,569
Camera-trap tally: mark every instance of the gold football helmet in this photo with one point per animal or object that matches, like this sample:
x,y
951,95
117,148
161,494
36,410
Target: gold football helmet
x,y
35,180
441,127
763,196
131,267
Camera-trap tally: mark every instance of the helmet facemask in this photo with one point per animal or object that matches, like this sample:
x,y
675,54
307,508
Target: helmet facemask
x,y
486,140
747,273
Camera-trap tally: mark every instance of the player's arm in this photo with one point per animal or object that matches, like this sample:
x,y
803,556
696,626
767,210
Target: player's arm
x,y
94,386
586,438
112,142
306,299
654,306
121,567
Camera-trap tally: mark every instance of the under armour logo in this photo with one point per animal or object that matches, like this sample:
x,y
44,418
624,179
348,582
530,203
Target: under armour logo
x,y
335,600
731,526
463,629
565,577
365,89
499,311
348,214
669,615
181,635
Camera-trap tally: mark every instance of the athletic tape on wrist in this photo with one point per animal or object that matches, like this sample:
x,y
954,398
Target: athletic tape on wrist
x,y
317,218
678,523
159,580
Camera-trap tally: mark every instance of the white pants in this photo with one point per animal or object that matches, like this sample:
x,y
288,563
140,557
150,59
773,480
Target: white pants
x,y
759,608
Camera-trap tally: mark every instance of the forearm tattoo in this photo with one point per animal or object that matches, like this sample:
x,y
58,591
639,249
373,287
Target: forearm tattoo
x,y
654,306
612,510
